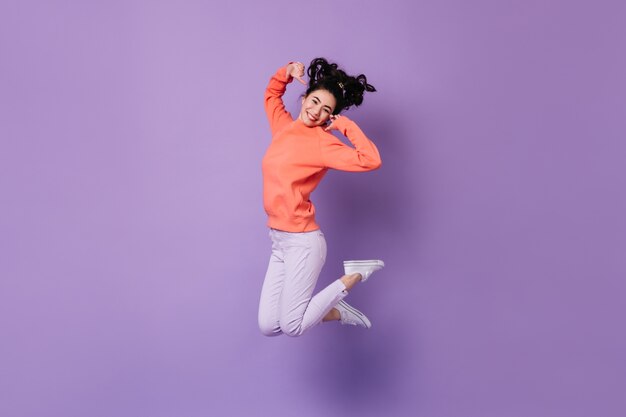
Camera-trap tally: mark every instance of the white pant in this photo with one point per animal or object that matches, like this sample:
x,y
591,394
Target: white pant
x,y
287,303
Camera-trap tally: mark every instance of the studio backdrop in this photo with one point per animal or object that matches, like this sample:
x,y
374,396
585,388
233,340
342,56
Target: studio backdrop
x,y
133,241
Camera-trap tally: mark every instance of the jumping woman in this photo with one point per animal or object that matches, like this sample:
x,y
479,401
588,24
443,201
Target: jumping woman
x,y
300,154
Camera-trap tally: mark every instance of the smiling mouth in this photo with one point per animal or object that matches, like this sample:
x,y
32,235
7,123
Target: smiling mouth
x,y
311,118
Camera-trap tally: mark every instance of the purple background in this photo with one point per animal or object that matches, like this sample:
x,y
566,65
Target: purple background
x,y
133,241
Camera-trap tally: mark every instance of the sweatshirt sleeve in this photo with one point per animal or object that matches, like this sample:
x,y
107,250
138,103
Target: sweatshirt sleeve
x,y
277,115
337,155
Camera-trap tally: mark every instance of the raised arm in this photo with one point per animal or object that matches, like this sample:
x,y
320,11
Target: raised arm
x,y
337,155
277,115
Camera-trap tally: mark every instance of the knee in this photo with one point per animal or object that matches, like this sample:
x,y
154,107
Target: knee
x,y
292,330
268,328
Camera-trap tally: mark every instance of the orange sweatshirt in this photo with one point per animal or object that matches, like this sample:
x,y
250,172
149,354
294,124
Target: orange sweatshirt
x,y
298,158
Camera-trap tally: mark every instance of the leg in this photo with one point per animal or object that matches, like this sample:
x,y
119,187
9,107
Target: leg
x,y
270,294
304,260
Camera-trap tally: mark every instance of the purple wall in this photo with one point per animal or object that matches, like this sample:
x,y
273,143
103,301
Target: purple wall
x,y
133,241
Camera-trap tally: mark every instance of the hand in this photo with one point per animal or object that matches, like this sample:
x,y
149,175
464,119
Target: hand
x,y
332,124
296,70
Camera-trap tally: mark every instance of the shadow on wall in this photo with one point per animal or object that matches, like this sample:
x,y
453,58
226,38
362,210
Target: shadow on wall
x,y
368,215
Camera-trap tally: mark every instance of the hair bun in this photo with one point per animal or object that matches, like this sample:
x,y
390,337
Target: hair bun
x,y
320,68
347,90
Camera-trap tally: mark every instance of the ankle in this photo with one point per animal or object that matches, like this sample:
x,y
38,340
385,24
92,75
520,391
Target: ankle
x,y
333,315
351,280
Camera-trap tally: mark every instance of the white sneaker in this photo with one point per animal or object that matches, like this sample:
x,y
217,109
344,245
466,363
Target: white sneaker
x,y
352,316
365,268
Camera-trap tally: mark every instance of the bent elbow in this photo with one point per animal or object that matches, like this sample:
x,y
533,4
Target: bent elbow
x,y
369,162
374,164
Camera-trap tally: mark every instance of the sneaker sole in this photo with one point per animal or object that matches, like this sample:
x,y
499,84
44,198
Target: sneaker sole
x,y
371,262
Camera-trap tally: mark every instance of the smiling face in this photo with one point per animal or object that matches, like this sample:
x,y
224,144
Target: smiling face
x,y
317,108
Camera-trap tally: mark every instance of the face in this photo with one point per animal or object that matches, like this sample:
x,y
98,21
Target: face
x,y
317,108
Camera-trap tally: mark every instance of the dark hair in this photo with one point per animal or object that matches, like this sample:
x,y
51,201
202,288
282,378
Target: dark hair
x,y
347,90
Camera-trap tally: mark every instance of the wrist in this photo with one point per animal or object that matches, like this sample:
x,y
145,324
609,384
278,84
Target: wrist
x,y
284,74
341,122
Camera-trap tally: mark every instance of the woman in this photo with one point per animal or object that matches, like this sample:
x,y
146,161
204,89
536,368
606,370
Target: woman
x,y
300,154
